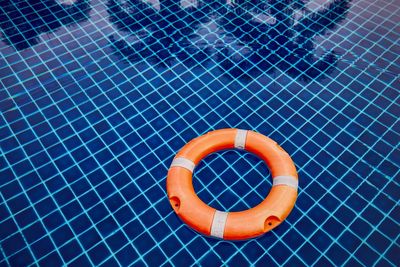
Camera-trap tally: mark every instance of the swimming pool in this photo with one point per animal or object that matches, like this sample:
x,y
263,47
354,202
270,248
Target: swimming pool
x,y
97,97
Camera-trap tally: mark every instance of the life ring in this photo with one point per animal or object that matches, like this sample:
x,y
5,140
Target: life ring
x,y
232,225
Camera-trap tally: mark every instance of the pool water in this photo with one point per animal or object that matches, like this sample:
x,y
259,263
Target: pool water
x,y
97,97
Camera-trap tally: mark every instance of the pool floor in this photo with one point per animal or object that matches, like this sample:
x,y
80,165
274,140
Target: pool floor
x,y
97,97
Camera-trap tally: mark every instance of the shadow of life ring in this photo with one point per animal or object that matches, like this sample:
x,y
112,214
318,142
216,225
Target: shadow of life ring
x,y
240,225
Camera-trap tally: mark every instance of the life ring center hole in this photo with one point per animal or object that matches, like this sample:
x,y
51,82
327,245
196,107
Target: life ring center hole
x,y
232,180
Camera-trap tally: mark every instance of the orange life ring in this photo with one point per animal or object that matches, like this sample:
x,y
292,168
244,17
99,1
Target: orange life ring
x,y
232,225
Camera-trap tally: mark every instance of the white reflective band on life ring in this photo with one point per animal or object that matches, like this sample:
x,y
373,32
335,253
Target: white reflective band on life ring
x,y
184,163
240,139
285,180
218,224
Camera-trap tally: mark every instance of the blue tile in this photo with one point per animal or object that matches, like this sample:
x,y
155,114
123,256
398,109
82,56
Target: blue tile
x,y
18,203
98,253
4,212
64,163
53,220
361,228
136,169
116,241
145,218
372,215
143,242
89,238
323,261
333,227
34,232
127,255
107,226
89,199
42,247
321,240
388,167
80,185
62,235
13,244
55,183
305,202
49,140
70,250
118,147
183,258
71,142
133,229
295,261
22,258
15,156
110,137
48,170
114,202
64,196
380,242
123,215
40,159
26,217
105,189
33,146
22,168
155,257
72,174
98,213
65,131
110,262
279,252
384,203
42,129
140,204
80,223
211,259
11,189
81,261
199,247
239,259
349,241
389,227
55,151
122,128
337,254
308,253
366,255
96,177
52,259
88,165
252,252
170,246
293,240
353,262
356,203
383,262
392,254
112,168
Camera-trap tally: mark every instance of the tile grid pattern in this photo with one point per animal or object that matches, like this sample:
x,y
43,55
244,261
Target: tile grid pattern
x,y
85,154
